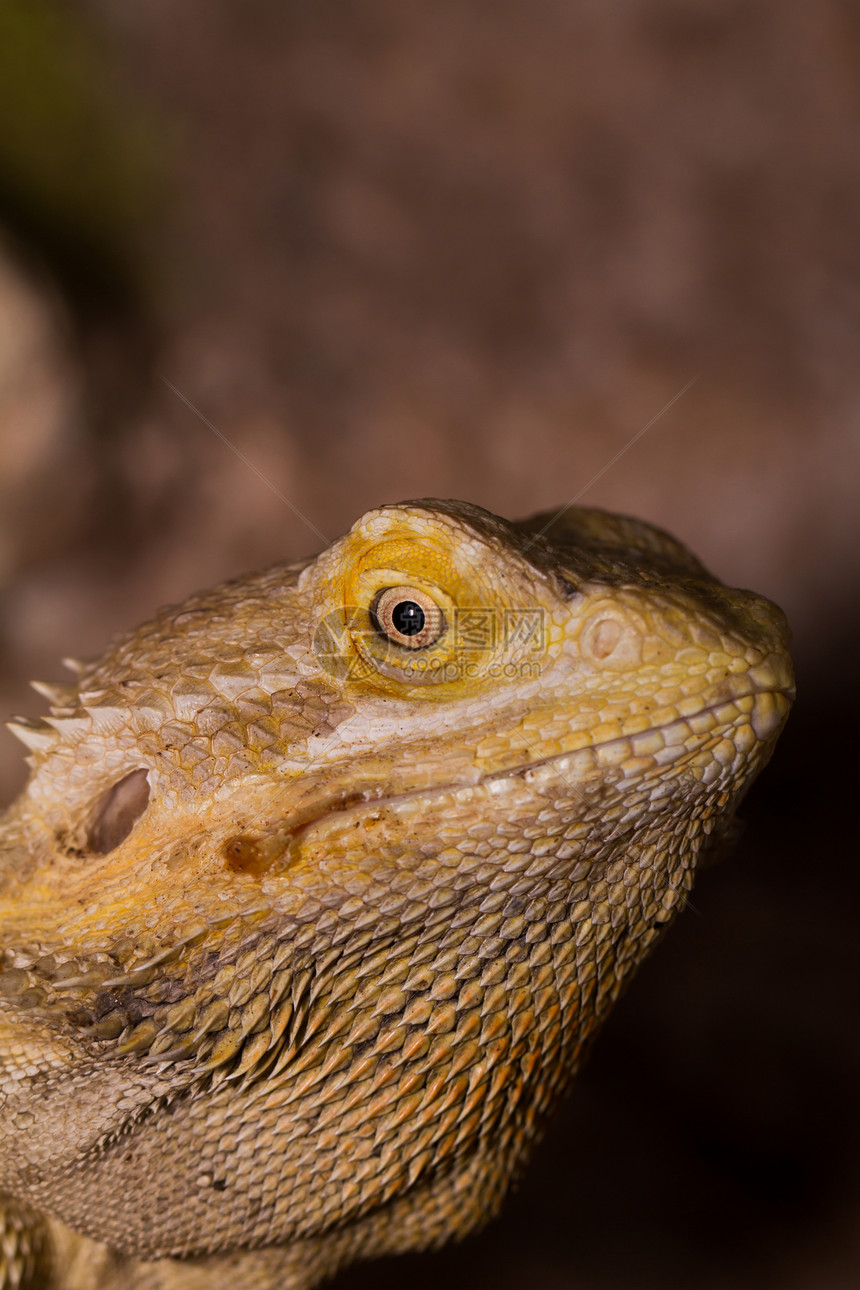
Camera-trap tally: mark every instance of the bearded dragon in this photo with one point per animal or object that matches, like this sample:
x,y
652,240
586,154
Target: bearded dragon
x,y
323,880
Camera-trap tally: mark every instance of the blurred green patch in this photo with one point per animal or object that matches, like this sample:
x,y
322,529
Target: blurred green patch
x,y
80,177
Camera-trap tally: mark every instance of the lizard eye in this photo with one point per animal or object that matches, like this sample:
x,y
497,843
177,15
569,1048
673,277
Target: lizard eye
x,y
408,617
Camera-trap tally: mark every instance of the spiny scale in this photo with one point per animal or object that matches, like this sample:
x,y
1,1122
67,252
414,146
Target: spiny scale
x,y
37,736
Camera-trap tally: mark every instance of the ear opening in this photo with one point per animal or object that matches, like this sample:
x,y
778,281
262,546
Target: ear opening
x,y
117,811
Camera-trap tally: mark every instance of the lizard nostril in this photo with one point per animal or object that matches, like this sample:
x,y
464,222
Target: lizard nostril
x,y
117,811
603,637
607,639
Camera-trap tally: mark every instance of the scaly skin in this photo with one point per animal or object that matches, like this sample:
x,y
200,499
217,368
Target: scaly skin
x,y
307,985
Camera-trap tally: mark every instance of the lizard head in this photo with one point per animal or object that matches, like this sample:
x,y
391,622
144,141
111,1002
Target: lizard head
x,y
285,849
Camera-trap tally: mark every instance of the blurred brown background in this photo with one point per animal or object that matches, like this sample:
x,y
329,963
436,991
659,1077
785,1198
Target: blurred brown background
x,y
400,248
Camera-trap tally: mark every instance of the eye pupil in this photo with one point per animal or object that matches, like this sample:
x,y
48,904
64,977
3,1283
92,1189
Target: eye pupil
x,y
408,618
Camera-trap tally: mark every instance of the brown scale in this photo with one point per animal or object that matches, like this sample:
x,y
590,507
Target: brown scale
x,y
313,902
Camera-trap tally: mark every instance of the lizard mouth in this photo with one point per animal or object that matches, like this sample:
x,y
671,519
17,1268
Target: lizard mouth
x,y
755,716
764,710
